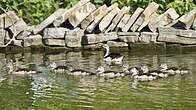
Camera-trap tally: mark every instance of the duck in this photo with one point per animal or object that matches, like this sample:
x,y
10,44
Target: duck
x,y
172,70
12,68
111,58
57,67
108,74
78,72
144,69
141,75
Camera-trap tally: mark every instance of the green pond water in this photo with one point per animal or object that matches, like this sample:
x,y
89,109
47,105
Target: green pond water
x,y
49,91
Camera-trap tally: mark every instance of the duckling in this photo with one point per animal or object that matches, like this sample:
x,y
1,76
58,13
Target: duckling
x,y
136,75
110,58
172,70
78,72
58,67
108,74
13,69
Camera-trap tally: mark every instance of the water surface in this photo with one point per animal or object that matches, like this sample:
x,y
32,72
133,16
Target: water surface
x,y
49,91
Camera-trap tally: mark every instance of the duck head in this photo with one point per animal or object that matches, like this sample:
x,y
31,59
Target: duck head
x,y
163,66
144,69
53,65
134,71
100,70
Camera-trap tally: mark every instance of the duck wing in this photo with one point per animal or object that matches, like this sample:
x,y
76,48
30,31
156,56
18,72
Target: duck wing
x,y
114,55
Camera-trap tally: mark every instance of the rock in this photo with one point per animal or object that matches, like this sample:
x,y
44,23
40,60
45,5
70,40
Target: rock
x,y
86,22
117,44
61,19
80,14
91,46
33,40
54,33
99,17
23,35
164,19
55,42
148,37
123,22
194,24
128,36
38,28
3,34
143,19
132,19
73,38
18,27
18,43
176,36
97,38
8,19
105,22
184,21
117,18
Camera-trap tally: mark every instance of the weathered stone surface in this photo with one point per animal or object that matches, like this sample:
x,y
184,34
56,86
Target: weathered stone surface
x,y
18,42
132,19
33,40
117,18
99,17
54,33
143,19
61,19
148,37
86,22
123,21
97,38
184,21
55,42
105,22
81,13
194,24
73,38
176,36
2,36
91,46
128,36
18,27
164,19
38,28
117,44
8,19
22,35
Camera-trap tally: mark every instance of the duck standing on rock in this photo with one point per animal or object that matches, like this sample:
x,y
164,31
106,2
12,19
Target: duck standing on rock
x,y
111,58
12,68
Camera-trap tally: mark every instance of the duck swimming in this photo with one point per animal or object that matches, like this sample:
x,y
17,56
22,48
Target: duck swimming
x,y
13,69
172,70
115,58
69,69
108,74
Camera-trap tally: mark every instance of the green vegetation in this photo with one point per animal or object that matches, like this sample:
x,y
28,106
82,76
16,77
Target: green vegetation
x,y
35,11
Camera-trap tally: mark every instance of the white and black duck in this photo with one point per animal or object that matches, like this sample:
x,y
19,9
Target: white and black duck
x,y
108,74
111,58
68,69
13,68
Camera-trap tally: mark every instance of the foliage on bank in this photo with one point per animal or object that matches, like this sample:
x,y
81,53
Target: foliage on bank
x,y
35,11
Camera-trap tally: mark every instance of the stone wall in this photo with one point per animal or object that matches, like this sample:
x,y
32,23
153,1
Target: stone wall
x,y
85,26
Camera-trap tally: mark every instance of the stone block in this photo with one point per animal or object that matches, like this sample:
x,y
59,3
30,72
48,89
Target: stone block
x,y
81,13
147,37
54,42
55,33
38,28
128,36
33,40
18,27
97,38
8,19
73,38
